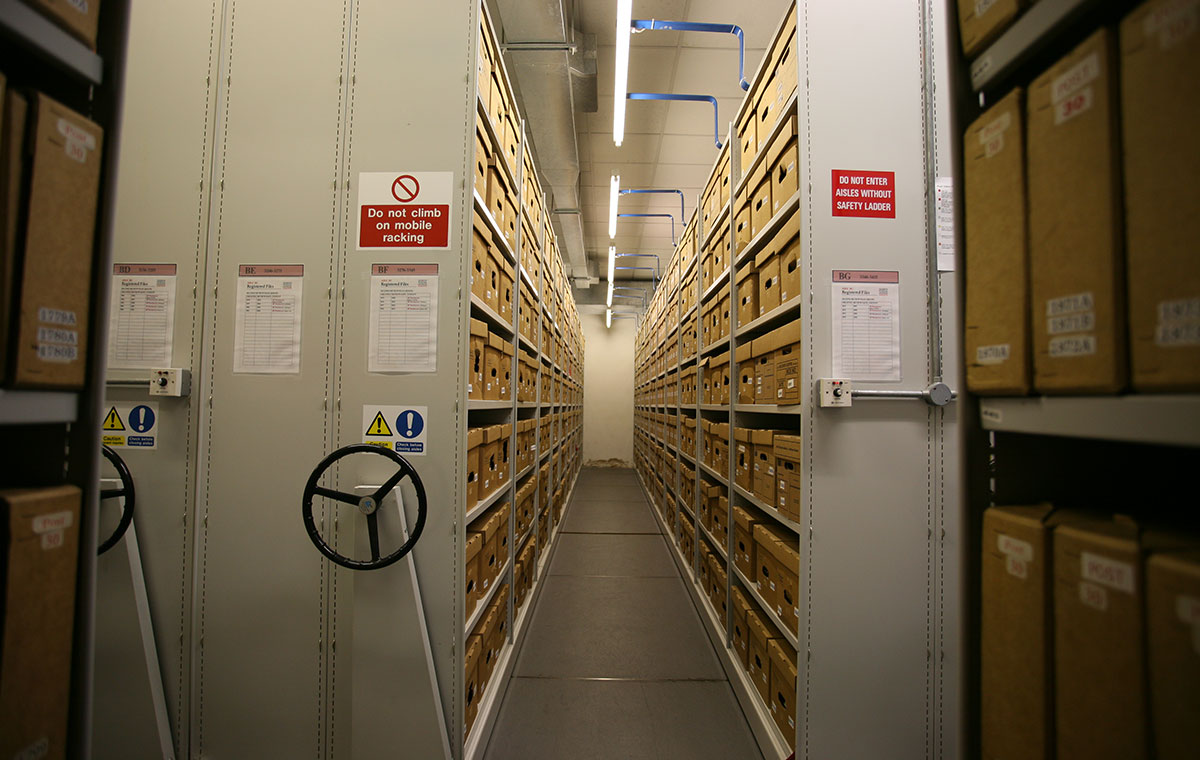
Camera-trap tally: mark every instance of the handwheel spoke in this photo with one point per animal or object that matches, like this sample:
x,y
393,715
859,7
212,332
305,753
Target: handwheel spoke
x,y
389,485
373,534
111,493
329,493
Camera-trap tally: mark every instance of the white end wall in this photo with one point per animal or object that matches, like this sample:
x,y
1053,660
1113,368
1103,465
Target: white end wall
x,y
607,390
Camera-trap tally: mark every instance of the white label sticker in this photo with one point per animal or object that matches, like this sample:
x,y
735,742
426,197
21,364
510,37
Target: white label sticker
x,y
1016,567
53,352
1015,547
1093,596
79,5
1109,572
991,414
1073,106
58,335
1177,334
35,751
1070,304
1171,22
1072,323
1179,310
71,132
997,354
53,540
56,316
75,150
995,128
983,6
55,521
993,146
1072,345
1075,78
981,67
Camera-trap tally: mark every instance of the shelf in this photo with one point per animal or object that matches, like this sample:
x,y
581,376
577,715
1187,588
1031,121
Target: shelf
x,y
716,223
688,360
714,407
497,233
766,234
687,456
713,348
48,41
711,290
476,404
687,315
710,471
529,346
38,407
1166,420
527,405
497,141
752,590
716,544
490,315
545,455
529,283
795,409
1037,26
524,472
773,318
474,512
788,108
482,605
771,512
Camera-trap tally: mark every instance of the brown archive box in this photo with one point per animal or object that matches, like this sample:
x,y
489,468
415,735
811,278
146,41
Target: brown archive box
x,y
786,341
981,21
783,687
12,171
50,338
473,547
477,350
1173,641
1016,634
789,456
1160,76
741,635
39,557
1099,641
481,260
1076,253
474,471
997,265
745,371
81,19
762,632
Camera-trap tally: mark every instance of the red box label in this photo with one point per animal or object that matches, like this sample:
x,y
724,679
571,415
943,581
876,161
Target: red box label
x,y
864,194
394,226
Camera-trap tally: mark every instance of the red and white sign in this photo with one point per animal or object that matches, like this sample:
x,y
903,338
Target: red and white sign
x,y
404,210
864,194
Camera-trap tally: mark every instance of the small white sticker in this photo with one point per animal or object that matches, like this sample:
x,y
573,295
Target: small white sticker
x,y
993,146
52,540
68,130
1079,103
1016,567
983,6
58,335
55,521
1179,310
981,67
79,5
57,316
995,128
1109,572
1075,78
991,414
1093,596
35,751
1014,547
1171,22
1070,304
1177,334
997,354
1072,345
1072,323
53,352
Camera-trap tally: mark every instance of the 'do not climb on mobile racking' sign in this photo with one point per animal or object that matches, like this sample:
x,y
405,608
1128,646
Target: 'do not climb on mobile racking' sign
x,y
404,209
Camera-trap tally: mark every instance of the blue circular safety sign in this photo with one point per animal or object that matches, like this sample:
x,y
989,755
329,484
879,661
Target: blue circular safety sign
x,y
141,418
409,424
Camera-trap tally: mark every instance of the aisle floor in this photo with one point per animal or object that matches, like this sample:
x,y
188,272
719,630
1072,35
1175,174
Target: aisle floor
x,y
615,662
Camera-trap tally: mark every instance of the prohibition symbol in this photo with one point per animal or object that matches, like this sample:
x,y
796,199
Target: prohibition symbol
x,y
405,188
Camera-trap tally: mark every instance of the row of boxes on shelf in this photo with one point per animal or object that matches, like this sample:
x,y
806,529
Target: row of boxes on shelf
x,y
490,364
767,463
774,180
1089,635
773,87
495,94
483,648
768,659
492,275
486,552
49,188
1097,288
488,458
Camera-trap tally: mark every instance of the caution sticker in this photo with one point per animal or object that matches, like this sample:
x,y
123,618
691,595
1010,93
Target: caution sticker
x,y
401,428
130,426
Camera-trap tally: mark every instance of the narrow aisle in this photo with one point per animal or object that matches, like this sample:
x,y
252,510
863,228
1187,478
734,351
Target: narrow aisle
x,y
616,663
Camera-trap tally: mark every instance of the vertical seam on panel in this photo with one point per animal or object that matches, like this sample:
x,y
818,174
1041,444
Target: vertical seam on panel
x,y
930,522
212,359
811,422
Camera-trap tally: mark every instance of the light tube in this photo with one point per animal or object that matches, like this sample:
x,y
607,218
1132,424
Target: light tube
x,y
612,268
621,87
614,190
608,317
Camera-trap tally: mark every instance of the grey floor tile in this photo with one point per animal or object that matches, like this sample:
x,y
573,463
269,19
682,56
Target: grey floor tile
x,y
610,491
613,555
609,517
617,628
621,719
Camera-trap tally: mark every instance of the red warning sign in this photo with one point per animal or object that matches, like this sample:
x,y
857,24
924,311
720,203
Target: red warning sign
x,y
864,194
404,210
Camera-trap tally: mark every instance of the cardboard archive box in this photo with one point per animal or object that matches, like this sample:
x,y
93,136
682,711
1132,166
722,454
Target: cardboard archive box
x,y
997,257
473,547
783,687
474,648
1173,640
474,471
789,455
762,632
39,558
980,22
741,635
1076,251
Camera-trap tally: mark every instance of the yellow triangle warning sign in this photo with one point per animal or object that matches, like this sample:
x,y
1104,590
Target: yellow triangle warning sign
x,y
113,420
378,426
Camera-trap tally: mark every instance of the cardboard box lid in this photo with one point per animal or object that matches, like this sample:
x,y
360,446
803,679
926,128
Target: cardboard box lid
x,y
723,293
495,341
762,437
760,347
479,328
474,437
785,550
758,176
783,659
507,267
786,136
721,430
786,335
506,430
493,433
743,519
745,274
741,434
761,629
740,603
689,422
474,544
720,359
789,446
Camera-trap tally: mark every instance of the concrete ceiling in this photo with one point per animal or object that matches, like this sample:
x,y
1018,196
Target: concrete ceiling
x,y
667,144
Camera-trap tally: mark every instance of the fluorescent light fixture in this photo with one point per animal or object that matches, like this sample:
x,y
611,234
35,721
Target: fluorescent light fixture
x,y
612,264
614,191
608,317
621,87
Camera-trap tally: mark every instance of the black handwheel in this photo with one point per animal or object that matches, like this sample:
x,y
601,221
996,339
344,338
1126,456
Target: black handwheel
x,y
367,505
125,490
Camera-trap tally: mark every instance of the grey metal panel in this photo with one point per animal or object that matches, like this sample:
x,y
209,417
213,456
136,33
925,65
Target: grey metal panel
x,y
260,604
161,217
411,107
868,557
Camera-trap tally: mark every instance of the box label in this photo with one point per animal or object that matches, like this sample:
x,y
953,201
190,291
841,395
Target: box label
x,y
993,146
1093,596
997,354
995,128
1015,547
1070,304
1106,571
1075,78
53,522
1072,345
1072,323
864,194
1172,22
1016,567
1073,106
982,7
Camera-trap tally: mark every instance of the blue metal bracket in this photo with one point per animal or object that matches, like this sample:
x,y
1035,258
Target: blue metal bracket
x,y
681,96
692,26
656,216
682,216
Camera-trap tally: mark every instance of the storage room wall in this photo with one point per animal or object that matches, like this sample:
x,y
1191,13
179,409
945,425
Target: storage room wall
x,y
607,391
